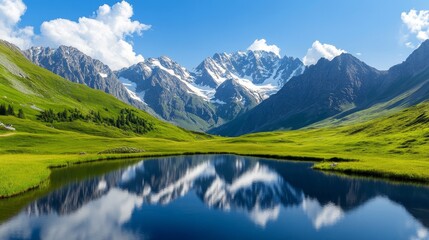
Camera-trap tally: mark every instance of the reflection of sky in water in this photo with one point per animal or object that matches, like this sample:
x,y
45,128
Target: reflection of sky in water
x,y
100,219
322,216
211,199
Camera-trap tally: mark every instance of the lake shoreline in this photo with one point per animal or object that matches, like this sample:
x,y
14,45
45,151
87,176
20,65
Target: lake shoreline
x,y
331,165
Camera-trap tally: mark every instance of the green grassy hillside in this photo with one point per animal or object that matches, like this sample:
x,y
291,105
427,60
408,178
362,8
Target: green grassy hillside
x,y
394,146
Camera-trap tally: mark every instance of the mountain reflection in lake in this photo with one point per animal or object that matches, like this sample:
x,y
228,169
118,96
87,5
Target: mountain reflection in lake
x,y
224,197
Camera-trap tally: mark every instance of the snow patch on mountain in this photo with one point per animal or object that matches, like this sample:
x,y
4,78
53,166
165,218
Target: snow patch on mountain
x,y
131,88
205,93
155,63
260,91
217,101
103,75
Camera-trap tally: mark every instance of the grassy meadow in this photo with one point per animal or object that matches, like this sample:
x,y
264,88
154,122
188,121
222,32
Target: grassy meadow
x,y
390,147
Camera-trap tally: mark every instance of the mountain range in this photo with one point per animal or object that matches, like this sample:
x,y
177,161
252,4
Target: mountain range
x,y
251,91
77,67
219,89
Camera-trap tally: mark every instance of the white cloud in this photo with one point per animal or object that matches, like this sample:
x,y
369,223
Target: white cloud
x,y
11,12
320,50
421,234
263,216
110,212
104,36
410,45
417,23
261,45
322,216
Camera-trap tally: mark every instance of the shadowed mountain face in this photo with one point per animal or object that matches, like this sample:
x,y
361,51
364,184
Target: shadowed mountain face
x,y
258,188
408,81
338,90
325,89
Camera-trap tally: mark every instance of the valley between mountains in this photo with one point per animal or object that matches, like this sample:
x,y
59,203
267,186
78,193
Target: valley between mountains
x,y
67,108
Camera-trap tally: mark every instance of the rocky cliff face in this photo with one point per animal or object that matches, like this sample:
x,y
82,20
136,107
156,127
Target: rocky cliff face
x,y
167,88
233,99
77,67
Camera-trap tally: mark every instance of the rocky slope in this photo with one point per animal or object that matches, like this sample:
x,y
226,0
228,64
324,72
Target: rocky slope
x,y
165,86
77,67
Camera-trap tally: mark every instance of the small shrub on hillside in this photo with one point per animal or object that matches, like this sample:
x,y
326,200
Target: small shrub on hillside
x,y
21,114
7,111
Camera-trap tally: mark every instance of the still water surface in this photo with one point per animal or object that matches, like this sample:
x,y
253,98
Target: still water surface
x,y
224,197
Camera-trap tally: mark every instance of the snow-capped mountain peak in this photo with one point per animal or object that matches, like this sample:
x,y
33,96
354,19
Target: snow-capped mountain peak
x,y
170,66
261,45
232,82
256,66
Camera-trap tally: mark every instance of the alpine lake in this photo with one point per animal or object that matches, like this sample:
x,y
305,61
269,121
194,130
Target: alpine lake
x,y
214,197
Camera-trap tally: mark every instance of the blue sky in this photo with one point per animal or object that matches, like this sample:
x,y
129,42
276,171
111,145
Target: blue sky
x,y
190,30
